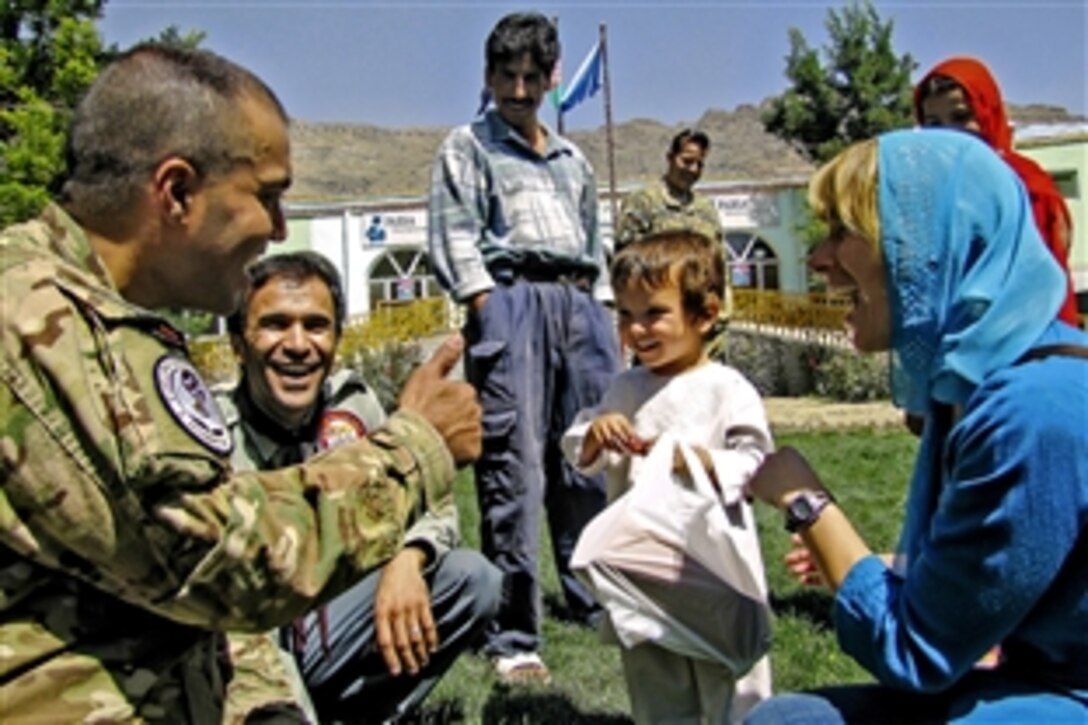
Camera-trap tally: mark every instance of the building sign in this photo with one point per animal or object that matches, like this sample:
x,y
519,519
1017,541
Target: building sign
x,y
746,211
380,228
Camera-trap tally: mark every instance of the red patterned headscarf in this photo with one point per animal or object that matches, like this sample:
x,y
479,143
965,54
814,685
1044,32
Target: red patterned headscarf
x,y
1051,214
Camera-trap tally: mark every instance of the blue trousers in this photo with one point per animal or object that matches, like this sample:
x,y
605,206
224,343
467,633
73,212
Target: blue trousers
x,y
346,675
537,353
980,697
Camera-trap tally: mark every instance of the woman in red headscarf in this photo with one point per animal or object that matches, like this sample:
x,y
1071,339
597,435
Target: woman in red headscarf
x,y
962,93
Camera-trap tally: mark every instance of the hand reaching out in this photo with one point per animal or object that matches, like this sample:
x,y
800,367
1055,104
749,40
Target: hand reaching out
x,y
611,432
680,464
802,564
781,476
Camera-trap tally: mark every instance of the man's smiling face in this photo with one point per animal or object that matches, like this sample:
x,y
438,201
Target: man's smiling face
x,y
287,347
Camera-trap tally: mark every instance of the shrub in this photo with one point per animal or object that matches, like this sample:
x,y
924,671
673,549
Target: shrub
x,y
851,378
214,359
774,365
779,365
756,357
385,366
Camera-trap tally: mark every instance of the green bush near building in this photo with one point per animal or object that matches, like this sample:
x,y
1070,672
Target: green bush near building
x,y
806,364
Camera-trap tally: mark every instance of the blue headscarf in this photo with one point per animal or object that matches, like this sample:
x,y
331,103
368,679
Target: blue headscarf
x,y
971,282
972,285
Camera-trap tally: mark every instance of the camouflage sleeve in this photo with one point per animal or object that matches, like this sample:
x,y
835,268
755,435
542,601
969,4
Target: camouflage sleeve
x,y
437,531
264,680
706,210
635,220
105,482
276,542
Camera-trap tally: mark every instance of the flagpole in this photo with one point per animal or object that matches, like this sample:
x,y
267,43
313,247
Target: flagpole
x,y
558,89
608,129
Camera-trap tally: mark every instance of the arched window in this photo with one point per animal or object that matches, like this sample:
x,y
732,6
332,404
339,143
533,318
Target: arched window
x,y
402,275
752,262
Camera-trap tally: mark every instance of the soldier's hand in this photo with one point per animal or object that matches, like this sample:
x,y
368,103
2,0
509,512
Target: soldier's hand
x,y
451,407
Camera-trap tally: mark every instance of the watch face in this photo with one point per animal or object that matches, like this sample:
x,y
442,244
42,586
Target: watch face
x,y
801,508
804,509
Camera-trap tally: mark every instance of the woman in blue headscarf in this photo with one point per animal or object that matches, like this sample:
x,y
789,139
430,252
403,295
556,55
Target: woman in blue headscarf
x,y
932,237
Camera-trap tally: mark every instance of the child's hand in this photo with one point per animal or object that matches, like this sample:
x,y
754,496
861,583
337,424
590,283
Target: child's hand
x,y
680,464
610,432
641,446
802,564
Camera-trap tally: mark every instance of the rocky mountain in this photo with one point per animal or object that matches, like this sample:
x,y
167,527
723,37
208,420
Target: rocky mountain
x,y
339,162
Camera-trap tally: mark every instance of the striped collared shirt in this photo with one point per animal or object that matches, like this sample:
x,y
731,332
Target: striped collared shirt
x,y
494,201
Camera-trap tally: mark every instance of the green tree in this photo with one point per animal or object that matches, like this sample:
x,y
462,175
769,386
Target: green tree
x,y
859,89
172,35
49,53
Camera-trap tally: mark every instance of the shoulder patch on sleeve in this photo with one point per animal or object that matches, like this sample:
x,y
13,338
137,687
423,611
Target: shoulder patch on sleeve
x,y
191,404
338,427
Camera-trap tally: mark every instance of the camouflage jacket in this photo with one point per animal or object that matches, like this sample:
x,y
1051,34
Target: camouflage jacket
x,y
654,209
349,410
265,683
261,679
126,541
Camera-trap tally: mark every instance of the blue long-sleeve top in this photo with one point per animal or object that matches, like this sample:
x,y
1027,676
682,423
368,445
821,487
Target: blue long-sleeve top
x,y
1004,558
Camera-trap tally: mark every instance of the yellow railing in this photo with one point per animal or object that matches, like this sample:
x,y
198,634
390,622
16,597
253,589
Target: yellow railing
x,y
398,322
813,310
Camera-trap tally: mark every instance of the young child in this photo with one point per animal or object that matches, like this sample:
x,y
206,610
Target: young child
x,y
668,289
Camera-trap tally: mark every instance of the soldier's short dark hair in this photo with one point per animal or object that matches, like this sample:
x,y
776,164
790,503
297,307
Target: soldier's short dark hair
x,y
519,33
693,262
689,135
297,266
153,102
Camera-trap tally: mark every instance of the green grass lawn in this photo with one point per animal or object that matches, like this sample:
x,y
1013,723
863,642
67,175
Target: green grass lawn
x,y
868,473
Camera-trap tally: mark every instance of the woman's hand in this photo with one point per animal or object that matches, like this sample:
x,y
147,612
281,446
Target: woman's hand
x,y
802,564
783,474
831,546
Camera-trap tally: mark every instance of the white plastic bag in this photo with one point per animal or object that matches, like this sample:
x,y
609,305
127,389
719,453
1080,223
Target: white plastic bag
x,y
676,566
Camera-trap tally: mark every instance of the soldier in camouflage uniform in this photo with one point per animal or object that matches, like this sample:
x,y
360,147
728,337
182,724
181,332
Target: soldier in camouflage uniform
x,y
671,203
286,408
127,543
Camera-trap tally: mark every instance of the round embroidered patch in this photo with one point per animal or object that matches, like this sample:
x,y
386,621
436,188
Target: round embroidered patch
x,y
338,427
191,403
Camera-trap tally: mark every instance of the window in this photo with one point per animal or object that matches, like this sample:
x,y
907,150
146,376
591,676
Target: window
x,y
401,275
752,262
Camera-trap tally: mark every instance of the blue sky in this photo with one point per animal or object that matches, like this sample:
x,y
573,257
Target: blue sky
x,y
410,63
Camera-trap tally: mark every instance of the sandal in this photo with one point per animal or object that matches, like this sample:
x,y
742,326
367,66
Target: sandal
x,y
522,668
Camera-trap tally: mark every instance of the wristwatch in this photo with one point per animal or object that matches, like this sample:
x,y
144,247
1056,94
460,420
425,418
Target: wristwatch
x,y
805,508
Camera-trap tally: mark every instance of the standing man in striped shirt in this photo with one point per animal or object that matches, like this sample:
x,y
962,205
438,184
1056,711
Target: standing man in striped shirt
x,y
513,236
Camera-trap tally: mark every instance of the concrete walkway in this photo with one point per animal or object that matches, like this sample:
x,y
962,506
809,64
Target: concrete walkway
x,y
810,414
